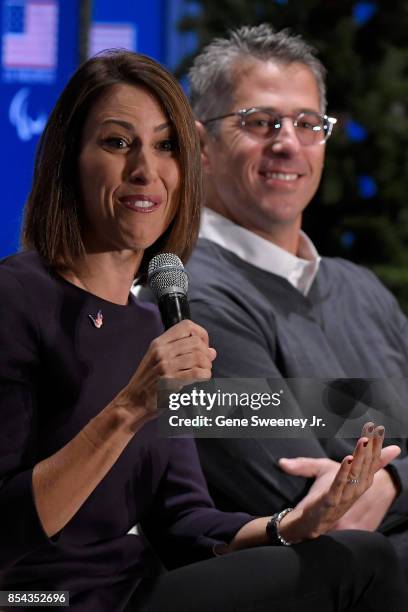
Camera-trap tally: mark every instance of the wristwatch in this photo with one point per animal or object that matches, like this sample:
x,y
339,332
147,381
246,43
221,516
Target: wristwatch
x,y
272,528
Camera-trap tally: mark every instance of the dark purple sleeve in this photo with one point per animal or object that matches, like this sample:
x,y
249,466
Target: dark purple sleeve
x,y
183,526
20,527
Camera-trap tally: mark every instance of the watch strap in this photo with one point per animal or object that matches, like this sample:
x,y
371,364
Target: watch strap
x,y
272,528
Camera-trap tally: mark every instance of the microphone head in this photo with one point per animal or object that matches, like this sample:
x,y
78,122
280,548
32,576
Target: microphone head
x,y
166,274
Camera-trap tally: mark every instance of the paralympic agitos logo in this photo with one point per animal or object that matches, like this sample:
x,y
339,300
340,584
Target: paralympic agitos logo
x,y
26,126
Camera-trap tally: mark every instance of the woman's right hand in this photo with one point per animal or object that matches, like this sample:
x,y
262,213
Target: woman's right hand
x,y
180,353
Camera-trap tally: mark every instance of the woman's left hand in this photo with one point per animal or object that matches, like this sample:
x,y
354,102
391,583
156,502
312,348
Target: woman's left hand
x,y
319,512
336,489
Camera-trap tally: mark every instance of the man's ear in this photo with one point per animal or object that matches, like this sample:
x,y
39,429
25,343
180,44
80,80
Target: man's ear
x,y
204,145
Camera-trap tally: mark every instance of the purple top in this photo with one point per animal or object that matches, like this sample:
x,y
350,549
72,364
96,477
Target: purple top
x,y
57,371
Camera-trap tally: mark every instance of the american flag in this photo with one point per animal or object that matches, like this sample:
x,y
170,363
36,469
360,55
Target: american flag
x,y
30,34
104,35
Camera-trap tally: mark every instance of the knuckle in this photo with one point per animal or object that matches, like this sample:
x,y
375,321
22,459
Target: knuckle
x,y
196,356
157,349
154,344
196,342
190,326
158,354
199,331
329,503
201,354
162,368
183,328
205,335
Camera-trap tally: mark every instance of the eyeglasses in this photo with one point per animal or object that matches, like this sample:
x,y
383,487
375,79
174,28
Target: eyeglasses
x,y
310,127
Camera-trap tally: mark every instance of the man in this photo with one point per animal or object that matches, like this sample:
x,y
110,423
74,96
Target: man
x,y
272,306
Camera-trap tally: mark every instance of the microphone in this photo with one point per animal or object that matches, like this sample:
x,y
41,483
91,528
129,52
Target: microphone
x,y
169,282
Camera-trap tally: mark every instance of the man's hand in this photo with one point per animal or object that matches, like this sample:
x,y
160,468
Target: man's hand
x,y
367,511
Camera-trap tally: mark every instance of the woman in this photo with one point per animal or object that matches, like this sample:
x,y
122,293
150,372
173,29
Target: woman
x,y
117,180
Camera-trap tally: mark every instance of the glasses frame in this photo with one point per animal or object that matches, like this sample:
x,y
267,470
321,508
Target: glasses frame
x,y
244,112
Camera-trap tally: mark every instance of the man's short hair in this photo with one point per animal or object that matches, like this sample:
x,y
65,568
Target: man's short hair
x,y
213,75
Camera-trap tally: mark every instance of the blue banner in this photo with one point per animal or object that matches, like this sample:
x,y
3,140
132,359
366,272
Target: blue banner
x,y
39,48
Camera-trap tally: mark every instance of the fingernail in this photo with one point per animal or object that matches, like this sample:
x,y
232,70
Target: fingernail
x,y
368,428
380,431
349,461
365,444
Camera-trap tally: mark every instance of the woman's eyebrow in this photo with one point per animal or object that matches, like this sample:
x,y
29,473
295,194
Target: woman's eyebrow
x,y
162,126
130,127
120,122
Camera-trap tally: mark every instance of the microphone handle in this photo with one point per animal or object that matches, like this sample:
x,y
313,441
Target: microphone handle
x,y
174,307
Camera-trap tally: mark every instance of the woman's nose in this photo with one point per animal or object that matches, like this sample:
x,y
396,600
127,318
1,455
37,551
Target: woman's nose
x,y
141,166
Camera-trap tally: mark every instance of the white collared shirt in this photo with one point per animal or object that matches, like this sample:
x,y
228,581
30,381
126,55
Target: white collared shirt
x,y
299,270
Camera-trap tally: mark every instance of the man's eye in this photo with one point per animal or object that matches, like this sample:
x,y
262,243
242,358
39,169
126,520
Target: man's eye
x,y
115,142
260,122
306,126
312,125
169,144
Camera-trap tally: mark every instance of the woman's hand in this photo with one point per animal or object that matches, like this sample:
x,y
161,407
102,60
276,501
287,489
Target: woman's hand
x,y
337,489
369,510
180,353
319,512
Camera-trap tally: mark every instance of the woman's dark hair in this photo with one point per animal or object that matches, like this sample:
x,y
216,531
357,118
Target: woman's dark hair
x,y
52,220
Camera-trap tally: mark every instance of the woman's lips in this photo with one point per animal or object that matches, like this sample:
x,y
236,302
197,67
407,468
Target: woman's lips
x,y
141,203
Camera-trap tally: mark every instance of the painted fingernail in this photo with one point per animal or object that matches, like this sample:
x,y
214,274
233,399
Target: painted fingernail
x,y
368,428
365,444
349,461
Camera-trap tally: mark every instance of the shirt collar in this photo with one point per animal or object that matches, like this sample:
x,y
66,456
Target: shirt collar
x,y
299,270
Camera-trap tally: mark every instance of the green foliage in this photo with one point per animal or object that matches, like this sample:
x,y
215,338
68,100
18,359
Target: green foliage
x,y
368,83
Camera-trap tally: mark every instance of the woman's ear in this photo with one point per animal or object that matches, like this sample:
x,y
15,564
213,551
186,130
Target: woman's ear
x,y
204,144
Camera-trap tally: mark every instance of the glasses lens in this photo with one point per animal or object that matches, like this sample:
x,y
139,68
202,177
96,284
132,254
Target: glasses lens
x,y
260,123
311,128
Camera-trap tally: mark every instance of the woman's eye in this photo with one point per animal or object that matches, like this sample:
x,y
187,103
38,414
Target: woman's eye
x,y
169,144
115,142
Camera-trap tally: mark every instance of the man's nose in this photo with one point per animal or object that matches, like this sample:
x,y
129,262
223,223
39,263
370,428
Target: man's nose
x,y
141,166
286,140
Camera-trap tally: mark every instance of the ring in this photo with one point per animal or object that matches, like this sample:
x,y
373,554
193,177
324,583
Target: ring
x,y
353,481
